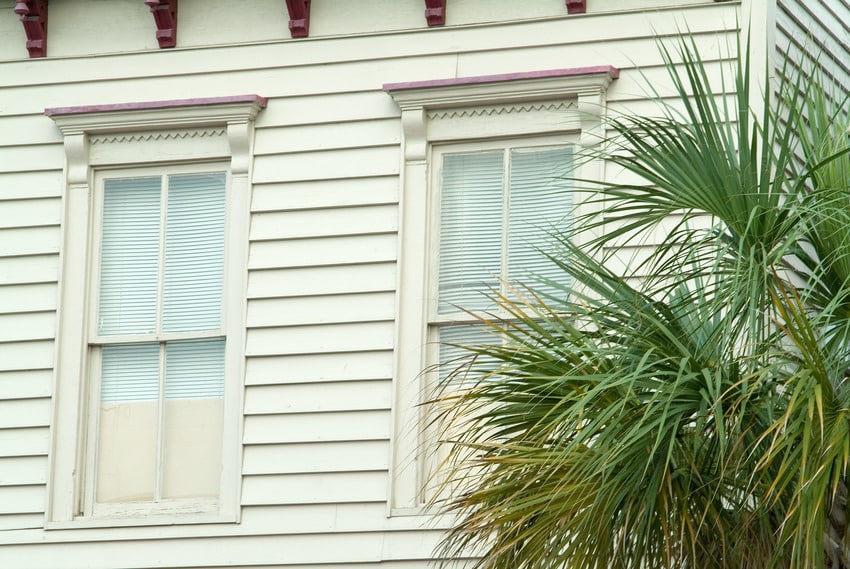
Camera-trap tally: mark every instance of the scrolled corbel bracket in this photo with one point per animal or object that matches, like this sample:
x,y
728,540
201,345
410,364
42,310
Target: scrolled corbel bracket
x,y
576,6
165,17
299,17
435,12
33,15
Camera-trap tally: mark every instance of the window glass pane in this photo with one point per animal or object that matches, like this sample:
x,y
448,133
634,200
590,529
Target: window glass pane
x,y
194,252
540,203
129,260
194,369
194,389
470,229
453,337
130,372
126,464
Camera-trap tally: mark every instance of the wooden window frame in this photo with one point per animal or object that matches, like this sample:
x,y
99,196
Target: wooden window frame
x,y
159,137
565,104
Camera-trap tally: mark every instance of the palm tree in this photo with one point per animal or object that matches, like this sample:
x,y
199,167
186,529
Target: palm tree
x,y
694,412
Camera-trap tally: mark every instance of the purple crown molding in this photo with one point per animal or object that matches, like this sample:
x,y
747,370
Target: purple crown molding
x,y
502,77
148,105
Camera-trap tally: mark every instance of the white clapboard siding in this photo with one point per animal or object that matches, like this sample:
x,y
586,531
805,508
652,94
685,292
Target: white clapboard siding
x,y
317,397
340,250
808,32
315,427
323,251
23,470
26,356
26,384
32,269
29,241
29,213
325,193
315,488
273,283
344,456
311,368
31,185
349,308
27,297
31,441
324,222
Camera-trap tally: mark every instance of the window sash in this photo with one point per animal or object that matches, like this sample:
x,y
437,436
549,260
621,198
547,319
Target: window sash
x,y
492,207
184,225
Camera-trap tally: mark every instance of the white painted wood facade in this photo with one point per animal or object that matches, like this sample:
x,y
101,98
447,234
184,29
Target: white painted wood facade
x,y
320,412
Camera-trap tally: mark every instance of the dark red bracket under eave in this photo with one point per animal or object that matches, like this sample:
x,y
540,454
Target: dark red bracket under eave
x,y
299,17
33,14
435,12
576,6
165,17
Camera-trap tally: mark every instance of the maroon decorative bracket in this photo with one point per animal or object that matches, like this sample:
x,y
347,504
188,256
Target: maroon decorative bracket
x,y
165,16
435,12
299,17
33,14
576,6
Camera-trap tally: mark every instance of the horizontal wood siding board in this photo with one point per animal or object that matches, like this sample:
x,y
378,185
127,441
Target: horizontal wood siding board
x,y
35,355
17,413
313,457
27,326
326,251
28,269
318,398
19,298
324,222
32,185
332,309
11,522
322,194
32,441
29,241
329,136
315,488
315,368
313,281
30,212
22,500
23,471
328,338
26,384
316,427
328,164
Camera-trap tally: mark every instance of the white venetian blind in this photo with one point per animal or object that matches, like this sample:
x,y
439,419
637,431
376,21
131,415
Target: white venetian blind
x,y
539,204
129,256
194,252
471,207
194,369
189,278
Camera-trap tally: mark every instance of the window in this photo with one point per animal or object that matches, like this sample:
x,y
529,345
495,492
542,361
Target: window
x,y
150,358
496,210
476,153
157,343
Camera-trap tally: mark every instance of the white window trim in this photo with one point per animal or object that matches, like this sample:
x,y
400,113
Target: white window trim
x,y
151,134
565,102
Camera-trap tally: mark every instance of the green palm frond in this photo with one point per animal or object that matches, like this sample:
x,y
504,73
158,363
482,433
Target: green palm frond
x,y
693,412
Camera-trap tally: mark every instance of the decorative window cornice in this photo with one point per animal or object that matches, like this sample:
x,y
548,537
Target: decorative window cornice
x,y
156,114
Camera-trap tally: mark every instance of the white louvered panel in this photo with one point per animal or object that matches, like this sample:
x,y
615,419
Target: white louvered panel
x,y
194,369
129,256
194,252
539,206
129,372
470,229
